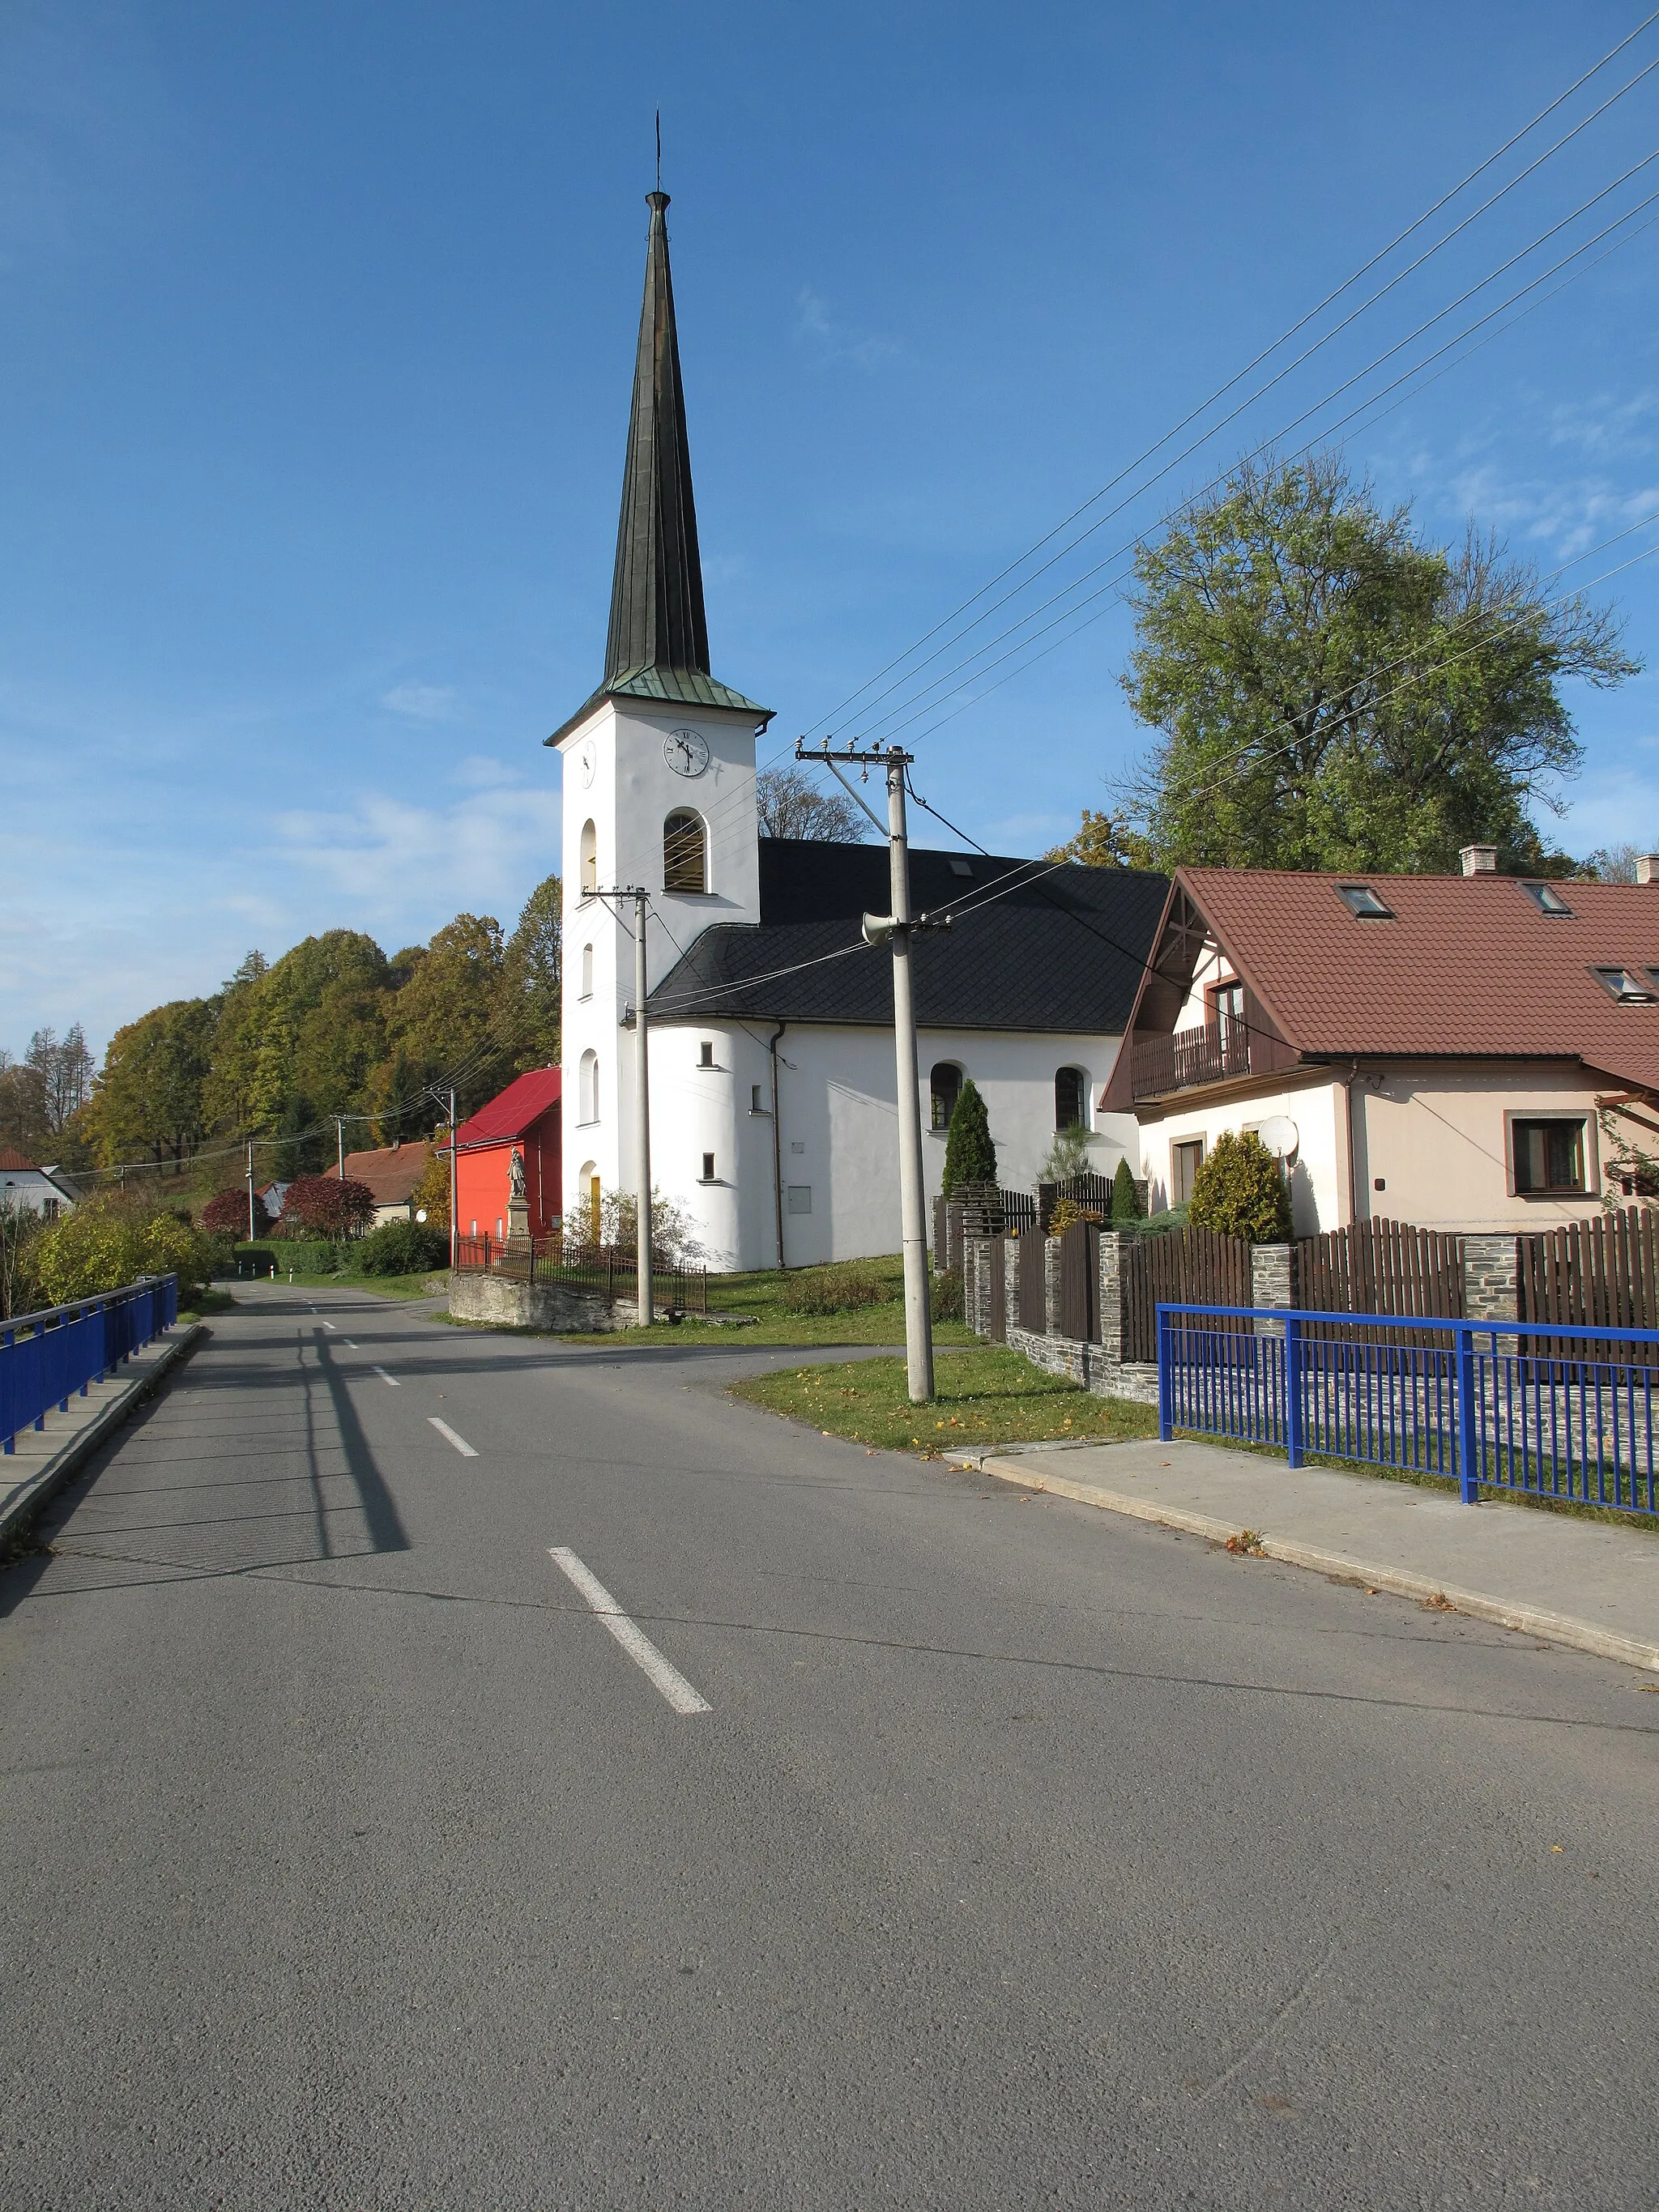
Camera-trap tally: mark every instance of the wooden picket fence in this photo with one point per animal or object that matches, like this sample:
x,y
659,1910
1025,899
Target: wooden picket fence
x,y
1186,1266
1593,1274
1381,1267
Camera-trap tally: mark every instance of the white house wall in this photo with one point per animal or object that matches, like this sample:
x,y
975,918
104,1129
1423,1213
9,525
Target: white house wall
x,y
838,1131
1318,1168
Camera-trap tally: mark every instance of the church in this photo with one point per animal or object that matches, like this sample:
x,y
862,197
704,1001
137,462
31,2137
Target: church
x,y
774,1123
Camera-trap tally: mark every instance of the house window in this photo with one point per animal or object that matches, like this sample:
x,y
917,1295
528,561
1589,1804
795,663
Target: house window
x,y
946,1084
1628,985
587,971
1361,900
588,870
587,1087
708,1167
1185,1161
1548,1157
755,1106
1547,898
1227,1009
1071,1098
800,1198
684,852
706,1054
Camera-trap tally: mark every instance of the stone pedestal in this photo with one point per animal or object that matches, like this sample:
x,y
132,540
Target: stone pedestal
x,y
518,1228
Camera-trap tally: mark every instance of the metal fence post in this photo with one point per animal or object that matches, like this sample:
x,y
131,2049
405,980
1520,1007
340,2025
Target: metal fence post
x,y
1165,1377
8,1391
1293,1439
1468,1471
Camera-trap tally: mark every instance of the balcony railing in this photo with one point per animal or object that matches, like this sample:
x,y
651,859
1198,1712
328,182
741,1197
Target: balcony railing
x,y
1208,1054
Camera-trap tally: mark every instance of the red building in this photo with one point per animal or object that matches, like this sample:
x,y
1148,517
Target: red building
x,y
524,1118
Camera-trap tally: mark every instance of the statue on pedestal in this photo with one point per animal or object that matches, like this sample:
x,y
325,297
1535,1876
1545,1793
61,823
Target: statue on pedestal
x,y
518,1205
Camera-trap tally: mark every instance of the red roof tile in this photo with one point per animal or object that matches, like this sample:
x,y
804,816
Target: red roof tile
x,y
508,1115
12,1161
1467,965
391,1173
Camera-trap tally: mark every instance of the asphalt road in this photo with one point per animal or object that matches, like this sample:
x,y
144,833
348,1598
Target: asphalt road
x,y
1022,1856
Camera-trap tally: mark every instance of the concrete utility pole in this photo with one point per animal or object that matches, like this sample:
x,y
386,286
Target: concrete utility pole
x,y
896,929
646,1313
250,1191
339,1135
455,1182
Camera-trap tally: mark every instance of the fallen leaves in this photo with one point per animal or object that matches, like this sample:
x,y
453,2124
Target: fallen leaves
x,y
1438,1603
1247,1544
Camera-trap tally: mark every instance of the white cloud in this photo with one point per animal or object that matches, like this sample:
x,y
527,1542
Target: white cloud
x,y
423,702
386,854
833,341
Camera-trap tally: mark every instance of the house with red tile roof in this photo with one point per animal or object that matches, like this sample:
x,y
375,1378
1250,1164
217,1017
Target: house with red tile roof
x,y
26,1188
525,1118
1475,1051
391,1172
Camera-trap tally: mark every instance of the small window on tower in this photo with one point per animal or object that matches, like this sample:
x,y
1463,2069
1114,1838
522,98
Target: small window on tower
x,y
589,861
708,1167
587,971
706,1054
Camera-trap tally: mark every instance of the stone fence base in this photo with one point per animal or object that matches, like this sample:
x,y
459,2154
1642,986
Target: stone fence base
x,y
1088,1365
560,1307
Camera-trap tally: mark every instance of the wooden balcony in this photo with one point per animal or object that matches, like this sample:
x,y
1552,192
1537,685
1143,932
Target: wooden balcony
x,y
1159,1064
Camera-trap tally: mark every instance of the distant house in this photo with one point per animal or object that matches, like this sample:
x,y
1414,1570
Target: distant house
x,y
1458,1051
273,1197
392,1173
26,1188
525,1118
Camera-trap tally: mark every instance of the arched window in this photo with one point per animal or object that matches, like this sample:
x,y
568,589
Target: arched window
x,y
587,1087
1071,1098
587,971
589,1201
684,852
945,1083
590,860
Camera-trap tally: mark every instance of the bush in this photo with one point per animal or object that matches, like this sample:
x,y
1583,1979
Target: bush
x,y
327,1206
970,1154
225,1214
1066,1215
1126,1199
108,1242
946,1296
402,1248
842,1288
1067,1156
1240,1191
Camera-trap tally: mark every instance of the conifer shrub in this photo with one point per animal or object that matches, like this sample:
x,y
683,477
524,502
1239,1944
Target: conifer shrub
x,y
1126,1199
970,1154
1239,1192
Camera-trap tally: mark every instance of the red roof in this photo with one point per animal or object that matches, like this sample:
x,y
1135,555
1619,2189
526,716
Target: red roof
x,y
391,1173
12,1161
1465,966
511,1113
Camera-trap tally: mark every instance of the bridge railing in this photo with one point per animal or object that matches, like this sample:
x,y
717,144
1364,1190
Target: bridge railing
x,y
48,1358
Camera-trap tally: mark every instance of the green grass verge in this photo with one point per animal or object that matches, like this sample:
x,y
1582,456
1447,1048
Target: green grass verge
x,y
386,1286
988,1395
762,1294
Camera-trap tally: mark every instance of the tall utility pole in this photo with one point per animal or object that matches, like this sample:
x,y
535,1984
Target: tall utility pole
x,y
250,1191
898,929
339,1139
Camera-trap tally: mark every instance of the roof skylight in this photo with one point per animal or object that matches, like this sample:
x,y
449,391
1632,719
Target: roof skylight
x,y
961,868
1547,898
1361,900
1628,985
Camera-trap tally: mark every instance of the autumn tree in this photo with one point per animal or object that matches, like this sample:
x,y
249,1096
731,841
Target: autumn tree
x,y
149,1099
328,1207
791,805
1331,691
531,973
225,1214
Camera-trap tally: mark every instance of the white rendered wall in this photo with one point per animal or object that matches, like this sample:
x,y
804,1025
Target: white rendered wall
x,y
1439,1140
1318,1170
838,1131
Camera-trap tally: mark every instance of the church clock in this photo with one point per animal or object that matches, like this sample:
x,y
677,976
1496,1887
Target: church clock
x,y
685,752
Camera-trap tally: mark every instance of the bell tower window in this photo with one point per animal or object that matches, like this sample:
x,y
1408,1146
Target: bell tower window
x,y
589,866
684,852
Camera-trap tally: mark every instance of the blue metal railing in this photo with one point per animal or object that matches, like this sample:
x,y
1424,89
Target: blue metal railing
x,y
45,1358
1529,1407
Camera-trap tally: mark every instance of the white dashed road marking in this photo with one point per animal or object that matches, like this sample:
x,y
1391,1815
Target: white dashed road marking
x,y
460,1443
385,1377
639,1647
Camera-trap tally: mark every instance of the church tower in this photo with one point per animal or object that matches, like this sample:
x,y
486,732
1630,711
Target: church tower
x,y
658,774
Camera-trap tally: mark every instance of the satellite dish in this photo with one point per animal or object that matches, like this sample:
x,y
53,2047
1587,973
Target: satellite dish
x,y
420,1214
1279,1134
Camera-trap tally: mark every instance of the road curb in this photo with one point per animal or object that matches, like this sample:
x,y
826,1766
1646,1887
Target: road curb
x,y
73,1453
1531,1620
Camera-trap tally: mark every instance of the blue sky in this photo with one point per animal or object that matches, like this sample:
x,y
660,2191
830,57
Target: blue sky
x,y
316,328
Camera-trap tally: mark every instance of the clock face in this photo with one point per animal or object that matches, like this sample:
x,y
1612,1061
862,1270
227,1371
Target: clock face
x,y
587,757
685,752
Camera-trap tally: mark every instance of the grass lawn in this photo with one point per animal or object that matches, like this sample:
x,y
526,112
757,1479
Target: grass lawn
x,y
988,1395
759,1294
386,1286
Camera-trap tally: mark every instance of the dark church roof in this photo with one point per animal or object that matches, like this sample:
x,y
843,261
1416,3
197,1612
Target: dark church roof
x,y
1058,949
658,645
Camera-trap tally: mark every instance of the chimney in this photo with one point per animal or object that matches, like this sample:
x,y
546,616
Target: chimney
x,y
1645,865
1480,859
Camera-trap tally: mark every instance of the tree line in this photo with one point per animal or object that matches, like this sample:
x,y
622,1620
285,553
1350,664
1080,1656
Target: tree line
x,y
334,1027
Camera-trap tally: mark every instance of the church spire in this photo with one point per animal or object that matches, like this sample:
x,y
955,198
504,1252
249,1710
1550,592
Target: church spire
x,y
657,619
657,644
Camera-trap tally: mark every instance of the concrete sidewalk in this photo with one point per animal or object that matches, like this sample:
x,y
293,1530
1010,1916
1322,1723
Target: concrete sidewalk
x,y
45,1458
1590,1583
